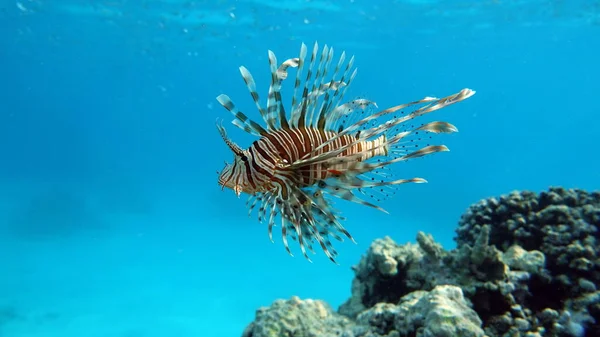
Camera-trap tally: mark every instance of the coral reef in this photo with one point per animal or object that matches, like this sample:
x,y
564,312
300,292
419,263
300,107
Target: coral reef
x,y
564,226
297,318
526,265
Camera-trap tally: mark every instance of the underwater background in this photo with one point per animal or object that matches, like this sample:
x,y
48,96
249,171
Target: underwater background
x,y
111,219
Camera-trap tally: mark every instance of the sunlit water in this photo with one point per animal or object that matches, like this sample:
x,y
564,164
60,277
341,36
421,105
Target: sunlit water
x,y
111,220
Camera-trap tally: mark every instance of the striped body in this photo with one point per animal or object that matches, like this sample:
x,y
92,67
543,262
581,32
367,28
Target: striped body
x,y
299,162
270,153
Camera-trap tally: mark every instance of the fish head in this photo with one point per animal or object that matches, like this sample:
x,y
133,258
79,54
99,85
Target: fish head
x,y
234,175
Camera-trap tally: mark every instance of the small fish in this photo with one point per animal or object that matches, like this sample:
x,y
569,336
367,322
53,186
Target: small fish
x,y
323,148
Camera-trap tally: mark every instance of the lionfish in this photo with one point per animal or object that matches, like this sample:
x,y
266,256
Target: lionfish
x,y
324,148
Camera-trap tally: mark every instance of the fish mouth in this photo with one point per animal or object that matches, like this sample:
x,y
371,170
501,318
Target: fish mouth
x,y
237,188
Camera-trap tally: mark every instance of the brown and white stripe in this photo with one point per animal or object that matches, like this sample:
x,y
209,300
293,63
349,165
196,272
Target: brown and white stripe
x,y
300,159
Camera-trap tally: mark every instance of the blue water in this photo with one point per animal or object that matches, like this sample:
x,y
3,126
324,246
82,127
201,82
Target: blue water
x,y
111,219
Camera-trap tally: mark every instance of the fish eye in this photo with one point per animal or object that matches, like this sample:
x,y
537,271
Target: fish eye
x,y
244,158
